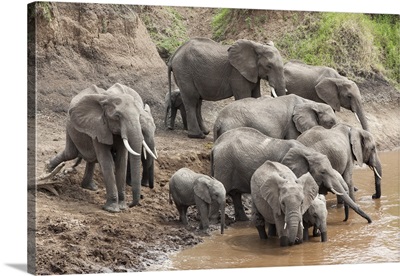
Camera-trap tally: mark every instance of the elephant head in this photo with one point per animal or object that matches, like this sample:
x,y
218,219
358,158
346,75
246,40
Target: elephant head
x,y
289,198
208,190
316,216
340,91
310,114
256,61
303,159
364,150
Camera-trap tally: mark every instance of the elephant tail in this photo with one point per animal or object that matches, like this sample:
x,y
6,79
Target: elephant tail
x,y
170,198
212,162
169,88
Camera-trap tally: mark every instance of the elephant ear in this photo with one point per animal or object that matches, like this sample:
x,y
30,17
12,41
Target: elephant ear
x,y
356,142
310,190
327,90
243,57
304,116
270,191
296,160
201,189
87,116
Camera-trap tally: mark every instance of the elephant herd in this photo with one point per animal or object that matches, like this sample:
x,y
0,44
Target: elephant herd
x,y
286,151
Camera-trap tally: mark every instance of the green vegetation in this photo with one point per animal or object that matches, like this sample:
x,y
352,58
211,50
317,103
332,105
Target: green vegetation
x,y
169,36
356,45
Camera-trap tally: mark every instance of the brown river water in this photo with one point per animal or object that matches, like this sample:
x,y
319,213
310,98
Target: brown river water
x,y
351,242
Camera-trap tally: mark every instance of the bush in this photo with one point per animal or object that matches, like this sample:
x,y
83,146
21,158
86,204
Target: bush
x,y
356,45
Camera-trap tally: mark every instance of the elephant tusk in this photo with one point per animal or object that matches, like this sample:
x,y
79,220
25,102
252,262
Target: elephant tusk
x,y
380,177
284,226
144,153
148,149
358,119
273,92
155,152
336,192
128,147
301,224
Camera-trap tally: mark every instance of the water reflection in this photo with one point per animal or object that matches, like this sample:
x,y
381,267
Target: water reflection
x,y
351,242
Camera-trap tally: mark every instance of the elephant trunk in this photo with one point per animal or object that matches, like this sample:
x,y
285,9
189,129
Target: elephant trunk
x,y
132,133
324,236
376,166
293,221
360,115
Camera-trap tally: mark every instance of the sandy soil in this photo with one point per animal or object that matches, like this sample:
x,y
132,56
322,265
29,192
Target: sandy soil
x,y
72,233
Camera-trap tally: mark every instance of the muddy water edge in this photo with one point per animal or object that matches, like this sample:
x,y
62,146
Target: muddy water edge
x,y
351,242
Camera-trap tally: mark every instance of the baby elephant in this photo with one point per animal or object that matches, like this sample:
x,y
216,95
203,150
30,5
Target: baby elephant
x,y
281,199
316,216
188,188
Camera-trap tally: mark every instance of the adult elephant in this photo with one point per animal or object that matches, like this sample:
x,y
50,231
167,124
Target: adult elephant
x,y
344,146
324,84
239,152
148,130
283,117
280,198
206,70
101,123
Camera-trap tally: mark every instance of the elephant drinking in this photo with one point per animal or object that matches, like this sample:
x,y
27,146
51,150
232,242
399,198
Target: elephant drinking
x,y
237,153
280,198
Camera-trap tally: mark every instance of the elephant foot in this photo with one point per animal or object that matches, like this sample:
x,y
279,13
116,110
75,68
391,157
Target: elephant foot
x,y
241,217
197,136
92,186
324,236
112,207
122,205
376,196
206,132
261,232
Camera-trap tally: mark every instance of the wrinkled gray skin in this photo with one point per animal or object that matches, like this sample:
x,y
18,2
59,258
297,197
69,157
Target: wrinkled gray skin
x,y
344,146
284,117
316,216
206,70
148,130
237,153
173,103
97,123
324,84
281,199
188,188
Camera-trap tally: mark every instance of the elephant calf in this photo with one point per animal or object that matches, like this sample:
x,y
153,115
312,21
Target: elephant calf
x,y
281,199
188,188
173,103
316,216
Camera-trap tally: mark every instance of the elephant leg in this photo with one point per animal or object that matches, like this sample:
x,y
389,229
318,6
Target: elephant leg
x,y
172,118
105,159
214,212
203,209
87,182
182,209
147,172
260,225
240,214
200,120
191,101
272,230
183,115
121,163
70,152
